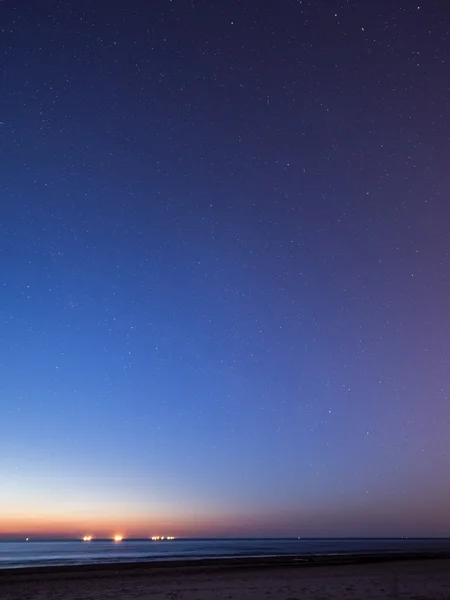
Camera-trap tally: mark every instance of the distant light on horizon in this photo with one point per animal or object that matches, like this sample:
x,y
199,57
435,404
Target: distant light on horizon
x,y
118,538
160,538
87,538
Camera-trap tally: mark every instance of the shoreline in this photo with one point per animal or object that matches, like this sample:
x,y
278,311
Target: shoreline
x,y
204,565
375,576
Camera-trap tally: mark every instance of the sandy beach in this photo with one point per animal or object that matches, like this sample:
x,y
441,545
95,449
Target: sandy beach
x,y
275,579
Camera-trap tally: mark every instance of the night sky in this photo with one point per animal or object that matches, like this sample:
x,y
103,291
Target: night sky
x,y
225,269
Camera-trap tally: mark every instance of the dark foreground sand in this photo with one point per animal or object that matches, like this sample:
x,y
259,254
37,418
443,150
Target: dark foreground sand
x,y
275,579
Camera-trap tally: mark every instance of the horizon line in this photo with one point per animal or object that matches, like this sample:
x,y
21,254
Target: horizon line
x,y
31,538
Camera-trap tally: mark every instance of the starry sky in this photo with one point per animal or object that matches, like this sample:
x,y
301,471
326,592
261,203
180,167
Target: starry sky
x,y
225,267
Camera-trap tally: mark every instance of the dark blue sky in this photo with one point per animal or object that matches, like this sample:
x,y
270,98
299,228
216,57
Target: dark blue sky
x,y
224,267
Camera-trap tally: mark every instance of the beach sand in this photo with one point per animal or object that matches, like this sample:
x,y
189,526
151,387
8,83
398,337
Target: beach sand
x,y
222,580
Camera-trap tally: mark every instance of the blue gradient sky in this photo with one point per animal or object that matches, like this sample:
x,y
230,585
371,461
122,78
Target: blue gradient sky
x,y
225,269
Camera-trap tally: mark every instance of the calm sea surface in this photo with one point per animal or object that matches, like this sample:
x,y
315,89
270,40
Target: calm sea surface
x,y
20,554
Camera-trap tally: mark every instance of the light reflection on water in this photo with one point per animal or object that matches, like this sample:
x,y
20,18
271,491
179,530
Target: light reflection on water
x,y
18,554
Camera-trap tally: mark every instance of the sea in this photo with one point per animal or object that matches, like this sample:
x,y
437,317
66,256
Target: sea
x,y
77,552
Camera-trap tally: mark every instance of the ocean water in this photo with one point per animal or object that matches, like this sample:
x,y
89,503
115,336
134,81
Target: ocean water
x,y
40,553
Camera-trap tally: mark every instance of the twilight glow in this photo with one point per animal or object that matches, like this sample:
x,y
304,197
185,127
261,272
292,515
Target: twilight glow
x,y
225,270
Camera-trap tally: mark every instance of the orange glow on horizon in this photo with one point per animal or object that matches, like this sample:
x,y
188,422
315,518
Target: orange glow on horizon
x,y
118,538
97,525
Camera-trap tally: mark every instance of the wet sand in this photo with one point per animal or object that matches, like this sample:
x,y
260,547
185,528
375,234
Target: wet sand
x,y
294,578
